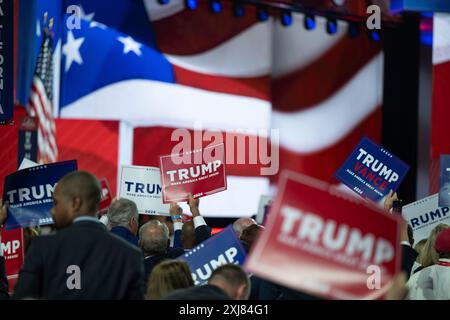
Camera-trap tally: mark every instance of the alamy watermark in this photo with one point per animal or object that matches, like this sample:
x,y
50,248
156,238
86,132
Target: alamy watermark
x,y
74,19
374,279
73,281
374,20
242,147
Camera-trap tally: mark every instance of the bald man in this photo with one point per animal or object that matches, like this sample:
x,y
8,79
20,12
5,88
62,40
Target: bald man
x,y
154,241
241,224
82,260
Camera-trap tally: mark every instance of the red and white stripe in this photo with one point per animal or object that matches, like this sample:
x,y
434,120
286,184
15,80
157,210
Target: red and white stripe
x,y
323,93
41,107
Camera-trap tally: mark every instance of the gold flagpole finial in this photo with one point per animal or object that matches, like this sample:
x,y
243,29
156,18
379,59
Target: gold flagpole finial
x,y
50,24
44,24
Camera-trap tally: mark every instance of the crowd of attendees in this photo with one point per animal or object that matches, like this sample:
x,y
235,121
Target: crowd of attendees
x,y
124,255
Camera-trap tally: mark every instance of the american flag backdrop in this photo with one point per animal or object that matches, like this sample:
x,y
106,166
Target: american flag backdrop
x,y
127,83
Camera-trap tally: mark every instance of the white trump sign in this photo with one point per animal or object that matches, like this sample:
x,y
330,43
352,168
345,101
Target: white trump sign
x,y
143,186
424,215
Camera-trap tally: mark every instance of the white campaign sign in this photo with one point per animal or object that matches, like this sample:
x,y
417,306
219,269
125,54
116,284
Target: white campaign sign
x,y
143,186
423,215
263,201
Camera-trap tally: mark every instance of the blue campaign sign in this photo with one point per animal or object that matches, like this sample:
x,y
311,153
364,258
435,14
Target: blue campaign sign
x,y
221,249
29,193
372,171
444,182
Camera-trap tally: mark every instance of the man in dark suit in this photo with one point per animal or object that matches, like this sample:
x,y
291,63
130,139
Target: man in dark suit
x,y
154,241
154,236
123,219
82,260
228,282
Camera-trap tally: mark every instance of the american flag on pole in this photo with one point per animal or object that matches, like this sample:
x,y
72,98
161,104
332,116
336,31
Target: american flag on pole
x,y
40,101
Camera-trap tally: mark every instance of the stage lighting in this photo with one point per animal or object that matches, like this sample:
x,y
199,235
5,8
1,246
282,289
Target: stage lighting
x,y
191,4
375,35
332,26
262,14
238,9
310,22
353,30
286,18
163,2
215,6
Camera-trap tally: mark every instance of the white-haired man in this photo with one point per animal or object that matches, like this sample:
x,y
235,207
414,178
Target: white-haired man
x,y
123,220
241,224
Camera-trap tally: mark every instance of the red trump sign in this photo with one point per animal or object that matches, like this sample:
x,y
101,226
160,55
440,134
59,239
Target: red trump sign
x,y
106,196
12,247
199,172
320,242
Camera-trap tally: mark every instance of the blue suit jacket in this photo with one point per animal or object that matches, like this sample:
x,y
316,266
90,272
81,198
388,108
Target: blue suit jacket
x,y
125,234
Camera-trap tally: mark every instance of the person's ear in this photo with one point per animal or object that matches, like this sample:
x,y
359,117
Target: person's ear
x,y
76,204
241,293
135,225
132,223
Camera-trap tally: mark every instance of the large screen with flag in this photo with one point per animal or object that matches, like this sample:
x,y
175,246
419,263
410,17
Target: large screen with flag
x,y
128,74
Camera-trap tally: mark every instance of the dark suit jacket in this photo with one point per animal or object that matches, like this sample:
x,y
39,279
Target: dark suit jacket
x,y
3,281
272,291
125,234
409,255
202,233
151,262
206,292
110,268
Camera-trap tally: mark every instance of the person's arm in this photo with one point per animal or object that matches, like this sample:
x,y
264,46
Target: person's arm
x,y
29,284
202,231
389,201
175,214
398,289
409,255
4,295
